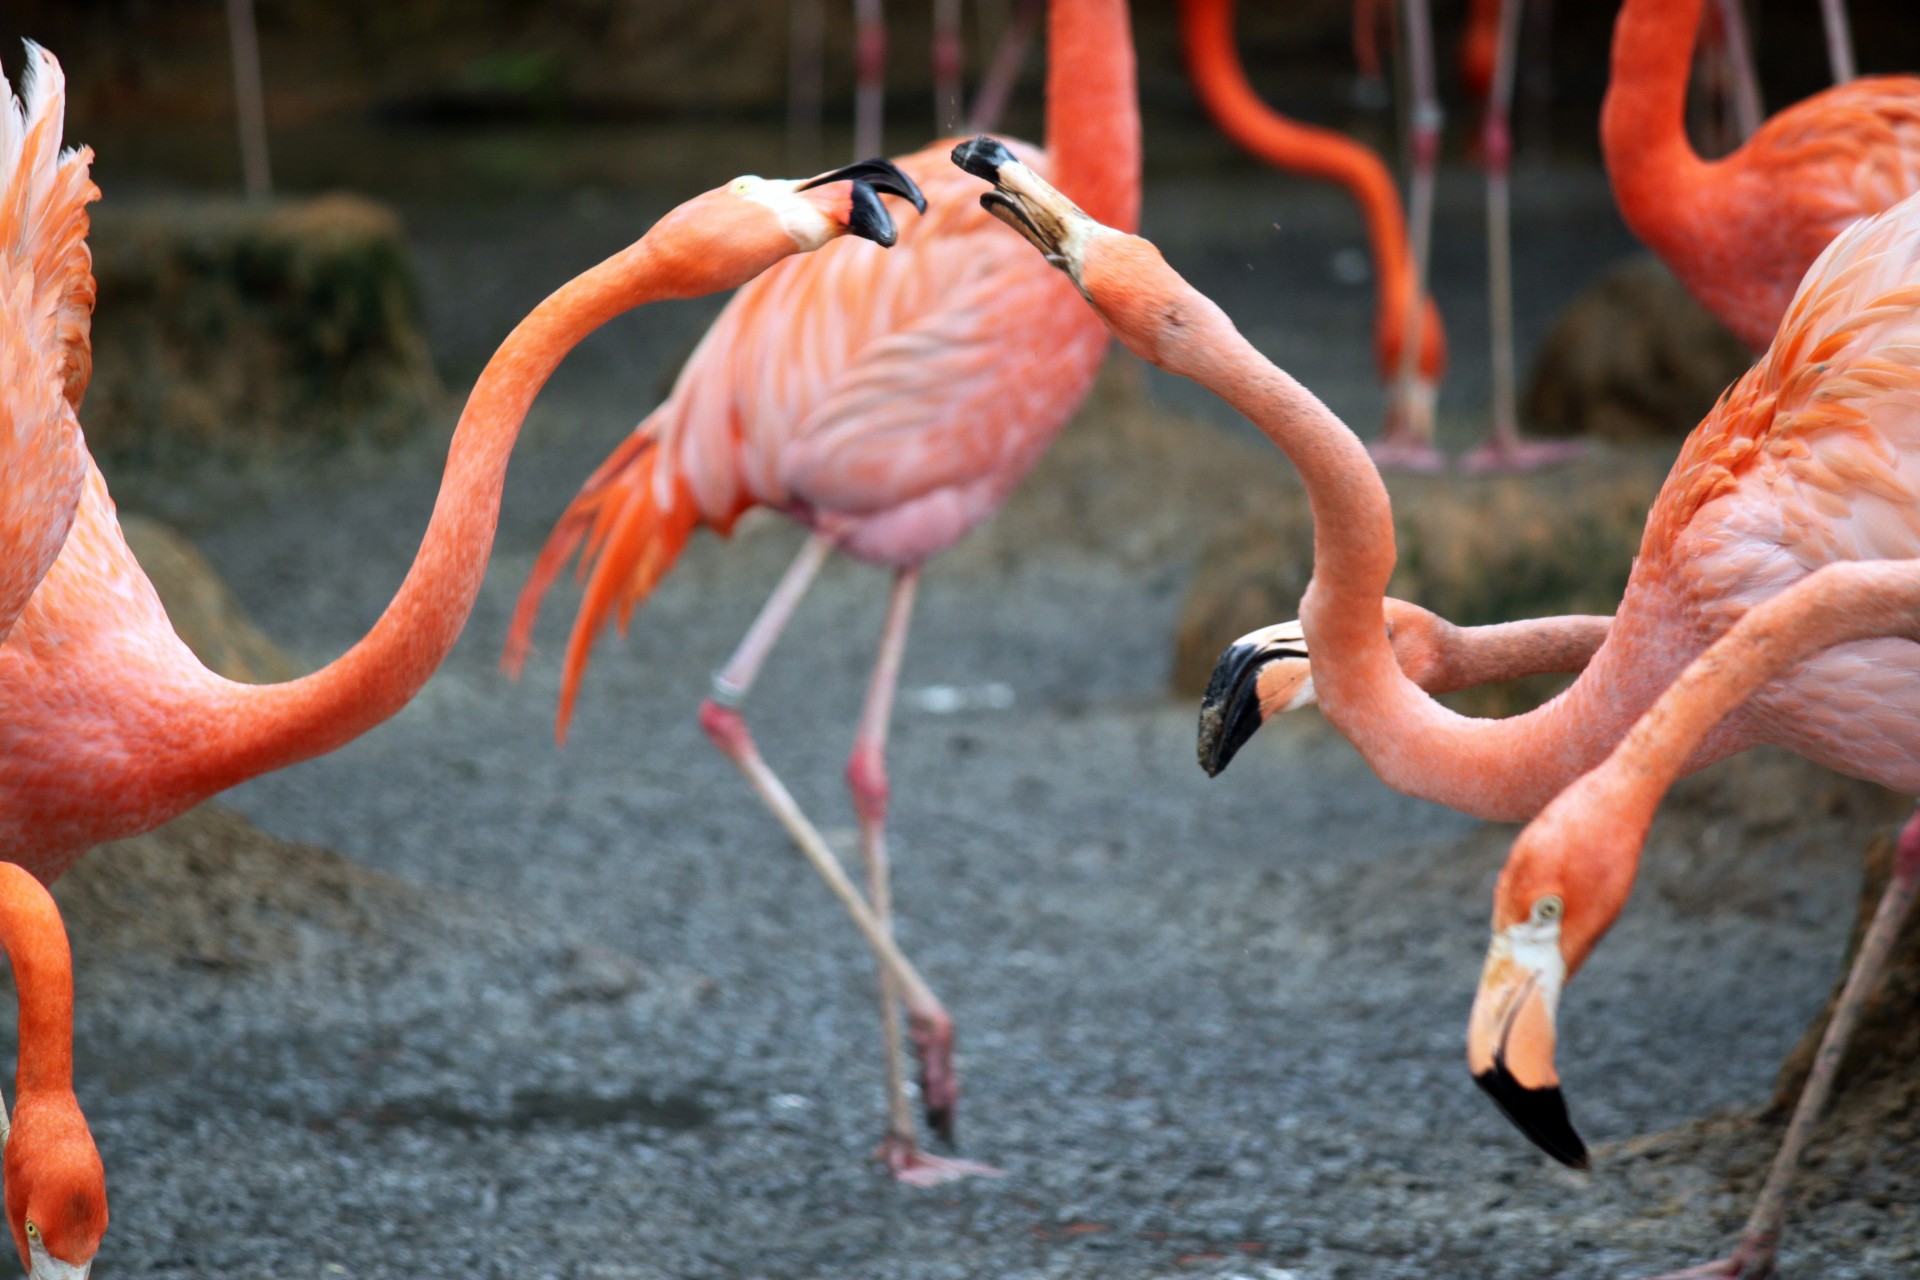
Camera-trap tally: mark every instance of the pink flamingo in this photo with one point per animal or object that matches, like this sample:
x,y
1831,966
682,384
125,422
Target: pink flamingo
x,y
1571,870
46,309
1810,461
889,409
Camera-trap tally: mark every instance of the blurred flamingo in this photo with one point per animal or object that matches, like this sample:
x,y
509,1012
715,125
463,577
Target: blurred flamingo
x,y
889,407
1811,460
1741,231
1213,63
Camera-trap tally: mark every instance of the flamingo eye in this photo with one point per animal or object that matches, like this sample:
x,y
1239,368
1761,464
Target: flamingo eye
x,y
1549,909
33,1232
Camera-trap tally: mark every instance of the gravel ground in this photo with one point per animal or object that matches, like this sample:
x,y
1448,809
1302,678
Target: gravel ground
x,y
589,1015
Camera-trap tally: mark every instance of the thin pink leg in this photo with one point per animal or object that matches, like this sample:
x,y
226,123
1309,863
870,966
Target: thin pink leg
x,y
1839,40
1747,109
867,780
870,77
1754,1257
948,91
721,717
1003,72
1504,449
1406,443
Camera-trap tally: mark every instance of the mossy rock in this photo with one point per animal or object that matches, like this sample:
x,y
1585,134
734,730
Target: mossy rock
x,y
231,330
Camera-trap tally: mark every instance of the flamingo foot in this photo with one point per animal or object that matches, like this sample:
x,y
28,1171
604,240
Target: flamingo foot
x,y
909,1164
1497,456
1752,1260
1397,453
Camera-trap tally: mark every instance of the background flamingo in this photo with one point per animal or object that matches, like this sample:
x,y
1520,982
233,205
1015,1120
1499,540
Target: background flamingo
x,y
888,407
1218,77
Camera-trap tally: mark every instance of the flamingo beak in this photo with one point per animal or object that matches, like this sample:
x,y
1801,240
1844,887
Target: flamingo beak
x,y
882,175
1026,202
1262,674
47,1267
1510,1042
865,215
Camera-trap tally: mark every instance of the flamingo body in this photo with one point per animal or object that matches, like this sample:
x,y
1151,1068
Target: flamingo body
x,y
1740,232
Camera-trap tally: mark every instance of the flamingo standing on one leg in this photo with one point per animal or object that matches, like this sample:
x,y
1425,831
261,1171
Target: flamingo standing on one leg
x,y
1811,460
56,1189
1214,66
889,408
1571,870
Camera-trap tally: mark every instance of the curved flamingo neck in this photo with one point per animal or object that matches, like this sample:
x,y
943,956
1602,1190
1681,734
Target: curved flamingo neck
x,y
1093,109
36,945
1502,769
260,728
1220,78
1643,131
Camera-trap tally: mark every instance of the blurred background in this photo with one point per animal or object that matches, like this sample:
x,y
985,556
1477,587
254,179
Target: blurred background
x,y
454,1002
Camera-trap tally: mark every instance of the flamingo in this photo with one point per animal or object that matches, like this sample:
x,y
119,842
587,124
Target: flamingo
x,y
1267,672
1572,868
1740,232
889,409
1808,464
1213,64
46,308
56,1188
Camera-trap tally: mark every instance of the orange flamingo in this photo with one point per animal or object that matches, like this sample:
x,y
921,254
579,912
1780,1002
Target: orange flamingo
x,y
1572,868
1213,64
1811,461
56,1188
889,408
1741,231
46,307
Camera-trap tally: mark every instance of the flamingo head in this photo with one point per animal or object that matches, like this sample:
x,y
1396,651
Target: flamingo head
x,y
1267,673
1564,884
727,236
56,1189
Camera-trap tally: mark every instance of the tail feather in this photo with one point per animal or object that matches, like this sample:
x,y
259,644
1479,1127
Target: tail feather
x,y
633,528
44,194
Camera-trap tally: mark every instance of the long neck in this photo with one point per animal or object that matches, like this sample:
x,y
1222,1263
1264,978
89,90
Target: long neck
x,y
1093,109
253,729
1643,130
1501,769
1219,77
36,944
1473,656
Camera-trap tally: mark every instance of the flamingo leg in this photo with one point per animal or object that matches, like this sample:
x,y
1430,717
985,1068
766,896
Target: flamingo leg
x,y
726,726
1754,1257
1839,40
867,781
948,92
1407,441
1504,449
1742,75
870,77
1003,71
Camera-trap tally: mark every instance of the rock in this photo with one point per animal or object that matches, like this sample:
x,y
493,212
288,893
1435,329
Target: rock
x,y
203,611
1472,549
1632,358
229,329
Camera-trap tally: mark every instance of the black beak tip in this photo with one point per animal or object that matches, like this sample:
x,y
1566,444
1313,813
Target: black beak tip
x,y
869,218
982,157
1230,708
940,1120
1541,1114
881,175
